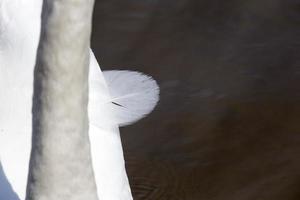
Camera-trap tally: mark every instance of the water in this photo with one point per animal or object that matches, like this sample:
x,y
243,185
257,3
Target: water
x,y
227,125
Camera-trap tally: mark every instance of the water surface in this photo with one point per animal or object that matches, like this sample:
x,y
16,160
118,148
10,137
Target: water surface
x,y
228,122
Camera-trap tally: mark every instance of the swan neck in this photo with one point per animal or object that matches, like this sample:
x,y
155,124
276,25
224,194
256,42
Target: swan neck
x,y
60,165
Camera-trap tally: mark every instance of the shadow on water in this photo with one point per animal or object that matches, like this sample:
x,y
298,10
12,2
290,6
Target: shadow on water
x,y
6,191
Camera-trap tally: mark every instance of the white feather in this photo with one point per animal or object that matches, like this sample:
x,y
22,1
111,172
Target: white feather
x,y
134,95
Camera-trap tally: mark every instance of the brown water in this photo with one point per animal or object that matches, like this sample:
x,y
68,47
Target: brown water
x,y
227,126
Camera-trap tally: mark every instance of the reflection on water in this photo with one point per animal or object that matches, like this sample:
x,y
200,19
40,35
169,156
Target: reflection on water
x,y
227,125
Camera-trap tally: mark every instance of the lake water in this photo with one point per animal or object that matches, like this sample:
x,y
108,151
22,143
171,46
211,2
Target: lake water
x,y
227,126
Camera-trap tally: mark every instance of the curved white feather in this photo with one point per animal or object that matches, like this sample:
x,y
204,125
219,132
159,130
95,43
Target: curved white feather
x,y
124,96
133,95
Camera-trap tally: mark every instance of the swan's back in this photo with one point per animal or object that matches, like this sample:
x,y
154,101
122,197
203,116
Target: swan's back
x,y
19,35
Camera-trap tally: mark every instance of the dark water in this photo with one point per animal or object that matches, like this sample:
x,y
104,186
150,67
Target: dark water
x,y
228,123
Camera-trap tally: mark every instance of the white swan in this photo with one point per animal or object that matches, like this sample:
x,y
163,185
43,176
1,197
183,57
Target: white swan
x,y
120,98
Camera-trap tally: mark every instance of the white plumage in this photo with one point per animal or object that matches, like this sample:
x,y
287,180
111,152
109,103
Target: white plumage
x,y
121,98
132,95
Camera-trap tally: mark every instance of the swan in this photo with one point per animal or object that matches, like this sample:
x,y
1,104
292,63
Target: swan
x,y
116,98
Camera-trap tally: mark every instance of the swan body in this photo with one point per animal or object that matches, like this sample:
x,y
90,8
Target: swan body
x,y
111,103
